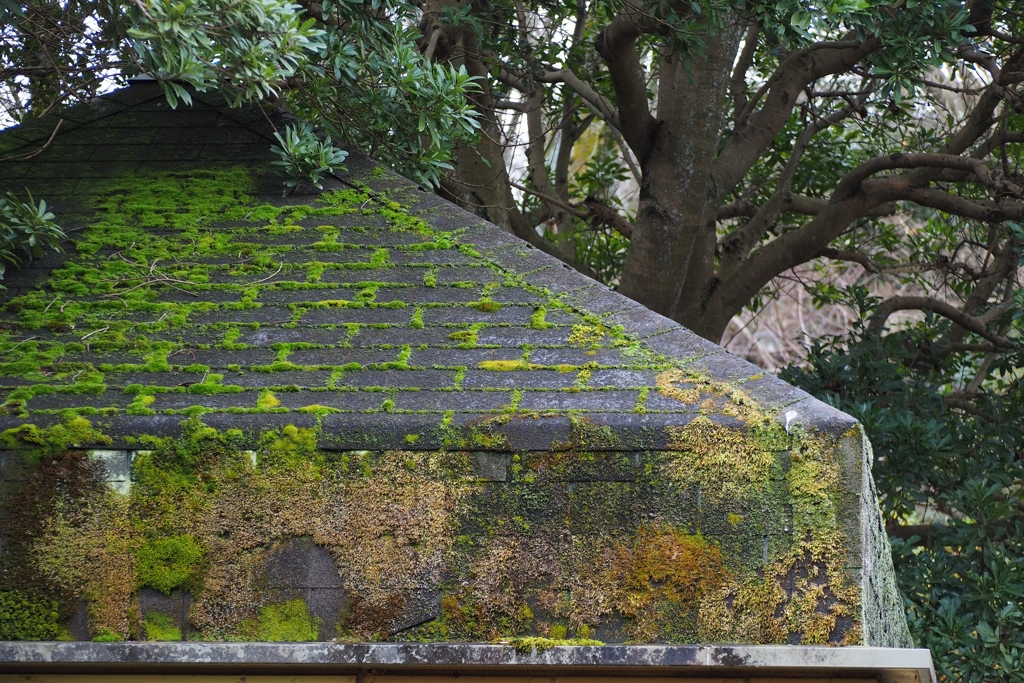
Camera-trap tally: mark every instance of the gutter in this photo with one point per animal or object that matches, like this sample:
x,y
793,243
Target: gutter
x,y
448,660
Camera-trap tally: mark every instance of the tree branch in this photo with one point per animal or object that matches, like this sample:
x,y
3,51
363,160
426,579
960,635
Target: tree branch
x,y
617,45
26,71
511,105
574,210
593,209
609,216
791,249
737,245
850,184
978,209
798,70
536,156
1005,263
599,104
793,203
925,303
870,266
738,82
982,59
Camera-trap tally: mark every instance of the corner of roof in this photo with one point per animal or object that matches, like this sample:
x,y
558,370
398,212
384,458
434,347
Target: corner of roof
x,y
661,335
790,406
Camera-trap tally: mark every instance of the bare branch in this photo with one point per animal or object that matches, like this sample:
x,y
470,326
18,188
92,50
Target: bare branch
x,y
870,266
794,203
978,209
39,150
511,105
627,154
853,257
600,105
926,303
617,45
574,210
1004,264
536,155
1000,137
982,59
26,71
593,209
852,181
735,247
794,74
738,83
736,209
982,374
608,216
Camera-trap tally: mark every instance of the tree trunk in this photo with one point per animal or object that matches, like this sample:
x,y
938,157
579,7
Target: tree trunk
x,y
479,182
671,262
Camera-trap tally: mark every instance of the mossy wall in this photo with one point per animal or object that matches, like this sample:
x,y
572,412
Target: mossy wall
x,y
608,546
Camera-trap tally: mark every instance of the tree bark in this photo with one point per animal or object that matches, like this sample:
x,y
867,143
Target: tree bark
x,y
480,181
670,267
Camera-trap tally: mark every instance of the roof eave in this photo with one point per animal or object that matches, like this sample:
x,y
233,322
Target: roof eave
x,y
891,665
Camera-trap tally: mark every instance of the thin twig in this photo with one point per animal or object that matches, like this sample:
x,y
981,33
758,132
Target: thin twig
x,y
102,329
35,153
20,343
269,277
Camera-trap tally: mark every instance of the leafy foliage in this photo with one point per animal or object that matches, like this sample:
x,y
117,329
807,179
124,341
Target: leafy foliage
x,y
250,47
26,230
949,464
305,157
351,70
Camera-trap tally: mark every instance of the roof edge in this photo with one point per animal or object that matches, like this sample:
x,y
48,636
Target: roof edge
x,y
891,664
655,332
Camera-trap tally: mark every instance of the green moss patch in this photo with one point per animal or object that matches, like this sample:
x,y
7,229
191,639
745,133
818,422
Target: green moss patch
x,y
159,626
285,622
168,563
25,617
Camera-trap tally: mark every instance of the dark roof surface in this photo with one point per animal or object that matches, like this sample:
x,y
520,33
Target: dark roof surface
x,y
192,288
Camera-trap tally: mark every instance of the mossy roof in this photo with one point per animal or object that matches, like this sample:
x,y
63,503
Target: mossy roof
x,y
375,309
383,318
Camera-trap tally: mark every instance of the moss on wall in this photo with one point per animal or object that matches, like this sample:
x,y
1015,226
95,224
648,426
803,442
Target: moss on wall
x,y
284,622
168,563
24,616
511,560
158,626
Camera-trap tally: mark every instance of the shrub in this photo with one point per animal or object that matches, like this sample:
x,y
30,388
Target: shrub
x,y
949,465
26,230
